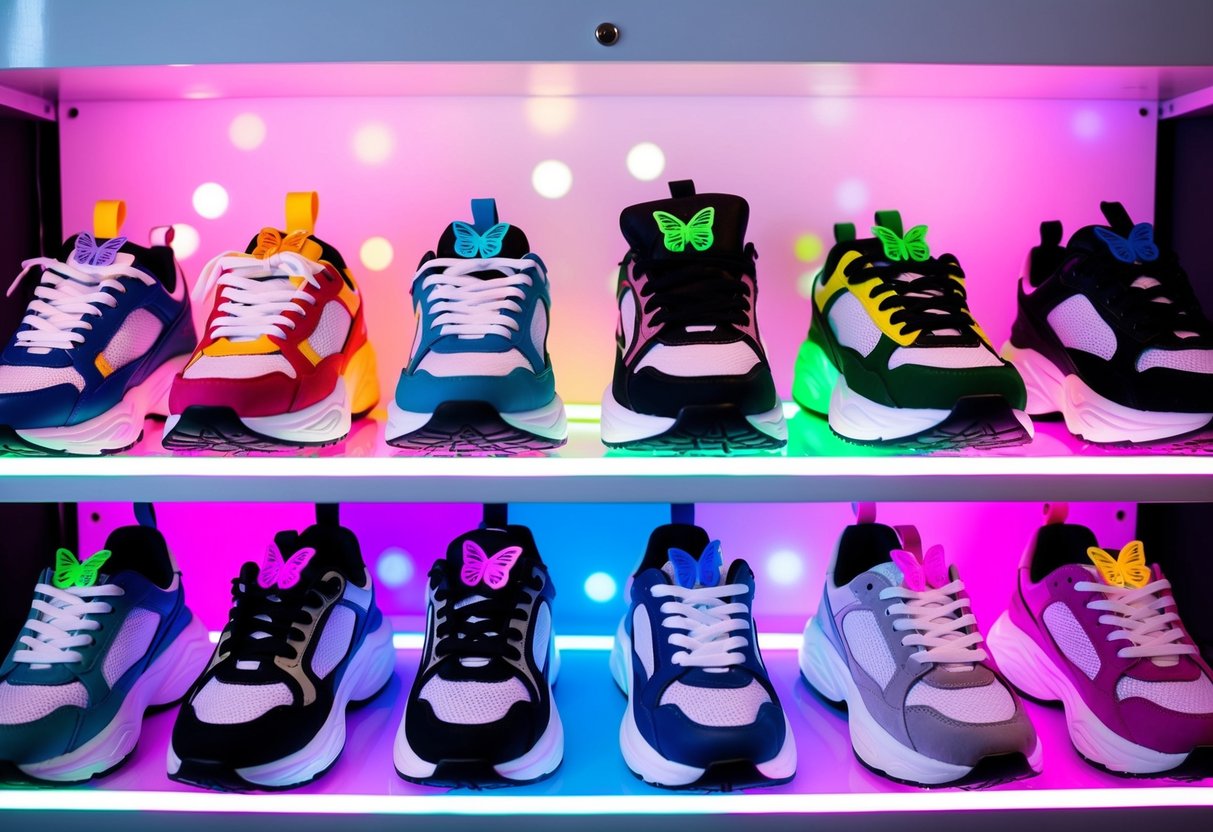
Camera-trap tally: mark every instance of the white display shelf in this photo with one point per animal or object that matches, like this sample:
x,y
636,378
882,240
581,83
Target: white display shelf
x,y
817,467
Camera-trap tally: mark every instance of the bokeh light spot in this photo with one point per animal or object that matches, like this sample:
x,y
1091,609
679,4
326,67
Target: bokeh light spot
x,y
646,161
394,567
550,115
185,240
785,567
804,284
210,200
373,144
808,248
376,254
247,131
552,179
600,587
1087,124
851,196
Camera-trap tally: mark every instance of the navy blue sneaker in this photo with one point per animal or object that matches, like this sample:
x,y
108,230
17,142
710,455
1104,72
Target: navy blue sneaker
x,y
108,328
701,710
479,379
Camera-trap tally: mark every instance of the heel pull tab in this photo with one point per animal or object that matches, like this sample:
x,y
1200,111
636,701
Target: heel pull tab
x,y
108,217
484,214
911,540
1050,234
864,512
145,515
1056,513
680,188
302,209
892,221
844,232
1117,217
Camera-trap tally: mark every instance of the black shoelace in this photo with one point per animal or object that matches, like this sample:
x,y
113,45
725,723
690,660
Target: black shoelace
x,y
1141,308
931,303
483,628
704,292
282,614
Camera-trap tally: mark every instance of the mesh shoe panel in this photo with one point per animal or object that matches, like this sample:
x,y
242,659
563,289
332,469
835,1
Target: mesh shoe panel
x,y
717,707
1071,639
977,705
1191,697
23,379
472,703
20,704
868,646
1186,361
222,704
698,360
334,642
331,331
131,645
1079,327
137,335
239,366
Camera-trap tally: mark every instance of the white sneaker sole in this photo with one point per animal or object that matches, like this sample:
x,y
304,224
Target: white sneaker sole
x,y
621,426
548,422
1029,668
1088,414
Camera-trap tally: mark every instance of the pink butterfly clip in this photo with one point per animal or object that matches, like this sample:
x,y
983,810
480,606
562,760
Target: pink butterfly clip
x,y
284,573
494,570
931,569
89,253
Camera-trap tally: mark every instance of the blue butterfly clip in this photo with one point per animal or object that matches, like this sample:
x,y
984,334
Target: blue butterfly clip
x,y
705,571
469,243
88,253
1137,247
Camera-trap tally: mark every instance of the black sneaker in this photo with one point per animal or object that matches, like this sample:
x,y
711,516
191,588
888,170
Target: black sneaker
x,y
690,370
304,639
481,709
1110,334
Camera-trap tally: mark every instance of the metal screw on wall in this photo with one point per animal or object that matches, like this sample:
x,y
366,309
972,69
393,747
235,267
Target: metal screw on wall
x,y
607,34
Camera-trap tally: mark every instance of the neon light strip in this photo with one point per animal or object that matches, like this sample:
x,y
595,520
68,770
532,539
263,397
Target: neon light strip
x,y
771,642
656,804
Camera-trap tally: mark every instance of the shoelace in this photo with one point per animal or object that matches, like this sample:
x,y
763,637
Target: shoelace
x,y
1152,298
479,627
933,302
936,620
257,293
706,292
1144,617
63,623
66,295
473,307
708,621
264,624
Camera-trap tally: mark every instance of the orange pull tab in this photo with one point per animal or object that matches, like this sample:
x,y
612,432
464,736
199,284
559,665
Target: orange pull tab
x,y
108,216
302,208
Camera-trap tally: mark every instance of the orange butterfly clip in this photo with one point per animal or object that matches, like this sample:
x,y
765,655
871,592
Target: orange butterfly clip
x,y
1128,569
270,242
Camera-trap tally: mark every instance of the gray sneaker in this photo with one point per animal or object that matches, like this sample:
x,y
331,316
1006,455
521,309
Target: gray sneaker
x,y
895,639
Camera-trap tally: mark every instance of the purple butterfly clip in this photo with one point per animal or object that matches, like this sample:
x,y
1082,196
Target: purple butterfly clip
x,y
88,253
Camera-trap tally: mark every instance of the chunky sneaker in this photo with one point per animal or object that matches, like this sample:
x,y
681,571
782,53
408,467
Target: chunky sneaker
x,y
108,328
303,641
701,709
107,638
1110,334
895,639
285,360
893,353
481,710
479,379
691,373
1100,633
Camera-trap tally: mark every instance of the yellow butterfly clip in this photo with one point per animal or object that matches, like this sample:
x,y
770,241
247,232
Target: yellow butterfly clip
x,y
1129,569
270,242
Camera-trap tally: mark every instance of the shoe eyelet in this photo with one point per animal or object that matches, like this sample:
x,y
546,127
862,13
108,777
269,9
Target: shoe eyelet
x,y
869,587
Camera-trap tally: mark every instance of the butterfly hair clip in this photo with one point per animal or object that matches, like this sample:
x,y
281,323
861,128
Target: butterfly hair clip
x,y
493,570
912,246
89,253
919,573
697,232
471,243
1138,247
1128,569
70,572
283,572
705,571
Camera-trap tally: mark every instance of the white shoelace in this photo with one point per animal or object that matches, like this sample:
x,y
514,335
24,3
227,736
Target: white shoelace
x,y
473,307
708,622
61,623
257,293
937,619
66,295
1142,617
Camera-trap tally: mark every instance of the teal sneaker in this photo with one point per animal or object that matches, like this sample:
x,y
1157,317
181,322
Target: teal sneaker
x,y
107,638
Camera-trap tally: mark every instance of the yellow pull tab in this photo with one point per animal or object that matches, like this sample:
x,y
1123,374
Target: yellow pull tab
x,y
108,216
302,207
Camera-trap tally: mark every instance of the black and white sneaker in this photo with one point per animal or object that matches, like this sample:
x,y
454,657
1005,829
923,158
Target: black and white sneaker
x,y
304,639
691,373
1110,334
481,710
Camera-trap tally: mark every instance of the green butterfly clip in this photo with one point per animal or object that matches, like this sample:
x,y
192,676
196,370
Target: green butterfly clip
x,y
697,232
913,246
70,572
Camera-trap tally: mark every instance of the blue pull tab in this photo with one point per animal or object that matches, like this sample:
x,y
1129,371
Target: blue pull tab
x,y
484,214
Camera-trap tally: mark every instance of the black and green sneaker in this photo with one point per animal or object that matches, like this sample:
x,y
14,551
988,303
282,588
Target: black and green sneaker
x,y
893,354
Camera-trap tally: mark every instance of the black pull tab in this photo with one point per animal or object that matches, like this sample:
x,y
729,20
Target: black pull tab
x,y
1118,218
844,232
682,187
495,516
145,515
1050,233
890,220
328,514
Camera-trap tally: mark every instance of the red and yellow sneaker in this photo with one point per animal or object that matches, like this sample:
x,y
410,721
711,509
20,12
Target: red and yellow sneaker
x,y
284,360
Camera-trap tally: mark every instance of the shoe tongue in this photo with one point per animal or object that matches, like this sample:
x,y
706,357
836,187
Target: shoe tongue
x,y
683,228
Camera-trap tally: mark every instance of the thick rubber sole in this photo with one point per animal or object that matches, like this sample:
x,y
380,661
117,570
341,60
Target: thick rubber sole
x,y
722,775
367,675
1090,415
981,421
165,681
477,428
1029,668
829,675
114,431
720,428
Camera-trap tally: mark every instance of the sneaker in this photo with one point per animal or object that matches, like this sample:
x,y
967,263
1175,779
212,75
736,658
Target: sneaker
x,y
108,328
285,361
1110,334
893,354
691,373
303,641
702,712
479,379
107,638
481,710
1100,633
895,639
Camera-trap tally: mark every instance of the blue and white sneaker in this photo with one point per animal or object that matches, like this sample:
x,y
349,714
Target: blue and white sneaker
x,y
107,638
701,710
108,328
479,379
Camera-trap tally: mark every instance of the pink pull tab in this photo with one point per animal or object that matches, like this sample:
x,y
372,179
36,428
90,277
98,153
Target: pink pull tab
x,y
910,539
864,512
1056,513
162,235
